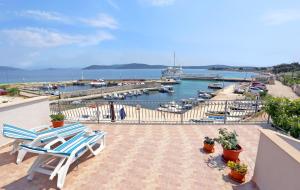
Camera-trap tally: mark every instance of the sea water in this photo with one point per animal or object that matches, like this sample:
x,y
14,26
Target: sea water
x,y
54,75
186,89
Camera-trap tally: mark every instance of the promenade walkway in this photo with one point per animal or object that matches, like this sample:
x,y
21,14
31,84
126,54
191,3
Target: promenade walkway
x,y
145,157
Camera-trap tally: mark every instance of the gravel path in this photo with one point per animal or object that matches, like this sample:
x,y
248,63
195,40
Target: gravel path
x,y
280,90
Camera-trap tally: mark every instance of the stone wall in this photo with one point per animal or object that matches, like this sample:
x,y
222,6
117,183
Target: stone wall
x,y
28,113
296,89
277,164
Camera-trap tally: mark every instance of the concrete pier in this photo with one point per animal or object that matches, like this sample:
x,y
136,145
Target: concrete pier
x,y
216,79
100,92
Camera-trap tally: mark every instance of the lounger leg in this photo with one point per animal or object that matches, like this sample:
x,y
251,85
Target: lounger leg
x,y
57,168
35,165
15,147
21,155
98,150
63,173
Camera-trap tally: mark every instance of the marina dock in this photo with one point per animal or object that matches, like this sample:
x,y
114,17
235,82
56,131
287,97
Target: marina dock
x,y
191,77
100,92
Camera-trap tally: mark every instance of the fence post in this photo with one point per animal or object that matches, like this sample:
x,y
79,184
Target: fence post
x,y
256,104
112,111
225,112
138,109
58,105
98,114
181,118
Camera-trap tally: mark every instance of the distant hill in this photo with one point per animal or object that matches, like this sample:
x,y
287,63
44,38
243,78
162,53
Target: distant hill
x,y
146,66
7,68
284,68
125,66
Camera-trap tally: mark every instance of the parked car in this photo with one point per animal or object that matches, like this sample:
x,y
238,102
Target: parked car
x,y
255,90
3,92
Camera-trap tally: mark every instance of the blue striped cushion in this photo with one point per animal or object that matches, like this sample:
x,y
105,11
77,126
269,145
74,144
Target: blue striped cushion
x,y
36,148
69,146
65,131
18,133
24,134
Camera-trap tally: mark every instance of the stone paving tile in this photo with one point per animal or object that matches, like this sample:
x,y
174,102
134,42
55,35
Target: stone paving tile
x,y
145,157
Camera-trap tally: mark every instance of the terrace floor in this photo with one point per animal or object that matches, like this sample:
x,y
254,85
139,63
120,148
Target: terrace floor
x,y
145,157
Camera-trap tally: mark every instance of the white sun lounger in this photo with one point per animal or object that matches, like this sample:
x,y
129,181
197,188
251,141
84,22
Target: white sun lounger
x,y
66,153
31,137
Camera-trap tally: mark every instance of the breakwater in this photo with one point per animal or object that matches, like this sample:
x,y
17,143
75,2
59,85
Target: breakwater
x,y
99,92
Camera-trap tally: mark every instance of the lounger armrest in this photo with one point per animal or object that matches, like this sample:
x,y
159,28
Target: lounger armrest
x,y
40,128
59,139
74,152
87,145
40,137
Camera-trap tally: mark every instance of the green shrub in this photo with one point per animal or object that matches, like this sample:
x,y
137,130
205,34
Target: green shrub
x,y
57,117
209,140
295,128
238,167
228,139
285,114
13,91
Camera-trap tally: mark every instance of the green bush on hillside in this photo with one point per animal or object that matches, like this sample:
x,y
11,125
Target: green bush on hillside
x,y
13,91
285,114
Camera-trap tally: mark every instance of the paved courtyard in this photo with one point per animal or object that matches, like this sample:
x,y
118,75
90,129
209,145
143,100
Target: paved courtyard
x,y
145,157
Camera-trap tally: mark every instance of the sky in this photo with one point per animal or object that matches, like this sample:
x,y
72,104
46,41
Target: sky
x,y
76,33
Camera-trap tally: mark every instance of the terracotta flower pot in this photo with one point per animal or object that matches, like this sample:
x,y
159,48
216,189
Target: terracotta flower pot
x,y
208,147
232,155
56,124
236,176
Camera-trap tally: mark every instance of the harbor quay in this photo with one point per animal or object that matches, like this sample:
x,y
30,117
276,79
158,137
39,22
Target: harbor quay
x,y
100,92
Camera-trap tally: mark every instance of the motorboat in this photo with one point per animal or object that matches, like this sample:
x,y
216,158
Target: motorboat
x,y
204,95
130,94
166,89
46,87
145,91
172,107
217,85
187,106
216,113
200,100
239,90
76,102
98,83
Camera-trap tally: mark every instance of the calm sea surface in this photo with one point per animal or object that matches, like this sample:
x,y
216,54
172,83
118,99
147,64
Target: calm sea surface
x,y
186,89
75,74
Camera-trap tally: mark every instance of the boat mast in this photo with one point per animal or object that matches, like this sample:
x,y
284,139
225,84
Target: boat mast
x,y
174,58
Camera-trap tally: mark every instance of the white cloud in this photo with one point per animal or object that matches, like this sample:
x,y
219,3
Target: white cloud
x,y
158,3
40,38
45,15
101,21
277,17
113,4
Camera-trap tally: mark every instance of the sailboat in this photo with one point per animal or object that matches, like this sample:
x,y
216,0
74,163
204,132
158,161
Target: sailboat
x,y
173,72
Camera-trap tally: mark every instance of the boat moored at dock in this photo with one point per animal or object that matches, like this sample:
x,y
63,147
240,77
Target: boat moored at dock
x,y
217,85
166,89
98,83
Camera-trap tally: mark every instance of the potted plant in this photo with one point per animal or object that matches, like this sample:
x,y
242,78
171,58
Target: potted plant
x,y
229,142
238,171
57,120
209,144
